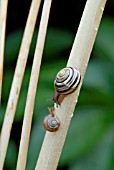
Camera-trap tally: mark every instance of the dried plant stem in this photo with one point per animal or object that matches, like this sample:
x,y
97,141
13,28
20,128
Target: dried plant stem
x,y
53,142
17,81
32,87
3,16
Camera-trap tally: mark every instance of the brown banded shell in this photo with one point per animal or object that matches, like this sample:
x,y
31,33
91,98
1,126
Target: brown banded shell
x,y
51,123
67,80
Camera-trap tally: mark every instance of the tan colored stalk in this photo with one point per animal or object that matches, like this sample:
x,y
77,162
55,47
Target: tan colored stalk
x,y
17,81
53,142
21,164
3,16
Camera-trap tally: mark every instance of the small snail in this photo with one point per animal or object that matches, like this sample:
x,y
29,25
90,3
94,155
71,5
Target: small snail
x,y
66,82
51,123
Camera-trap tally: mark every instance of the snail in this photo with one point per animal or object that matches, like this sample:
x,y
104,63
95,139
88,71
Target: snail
x,y
51,123
66,82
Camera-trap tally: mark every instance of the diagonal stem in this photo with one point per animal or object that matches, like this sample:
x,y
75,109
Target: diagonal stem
x,y
21,164
79,57
17,81
3,18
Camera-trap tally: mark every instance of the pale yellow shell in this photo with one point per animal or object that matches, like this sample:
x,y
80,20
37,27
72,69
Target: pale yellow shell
x,y
67,80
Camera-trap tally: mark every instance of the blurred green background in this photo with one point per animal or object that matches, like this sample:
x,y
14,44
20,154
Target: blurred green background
x,y
90,140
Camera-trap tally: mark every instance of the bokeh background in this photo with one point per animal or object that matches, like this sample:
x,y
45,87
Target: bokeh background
x,y
90,140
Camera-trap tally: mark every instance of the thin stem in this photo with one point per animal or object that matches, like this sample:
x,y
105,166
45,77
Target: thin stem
x,y
3,16
17,81
32,87
81,50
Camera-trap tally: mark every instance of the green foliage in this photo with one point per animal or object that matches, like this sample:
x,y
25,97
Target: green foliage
x,y
89,143
11,156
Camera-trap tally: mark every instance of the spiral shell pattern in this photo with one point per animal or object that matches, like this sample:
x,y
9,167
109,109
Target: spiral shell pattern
x,y
51,123
67,80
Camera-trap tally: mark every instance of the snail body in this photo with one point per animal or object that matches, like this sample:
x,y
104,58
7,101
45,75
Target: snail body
x,y
58,98
51,123
66,82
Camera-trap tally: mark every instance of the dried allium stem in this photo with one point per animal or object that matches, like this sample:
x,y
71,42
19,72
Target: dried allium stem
x,y
21,164
53,142
17,81
3,16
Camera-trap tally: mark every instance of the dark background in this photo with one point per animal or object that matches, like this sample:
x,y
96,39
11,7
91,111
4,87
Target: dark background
x,y
89,144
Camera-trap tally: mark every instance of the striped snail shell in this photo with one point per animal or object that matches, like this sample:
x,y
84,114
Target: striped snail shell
x,y
67,80
51,123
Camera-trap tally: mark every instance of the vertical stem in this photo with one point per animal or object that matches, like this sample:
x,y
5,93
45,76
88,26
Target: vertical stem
x,y
3,16
17,81
21,164
79,57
